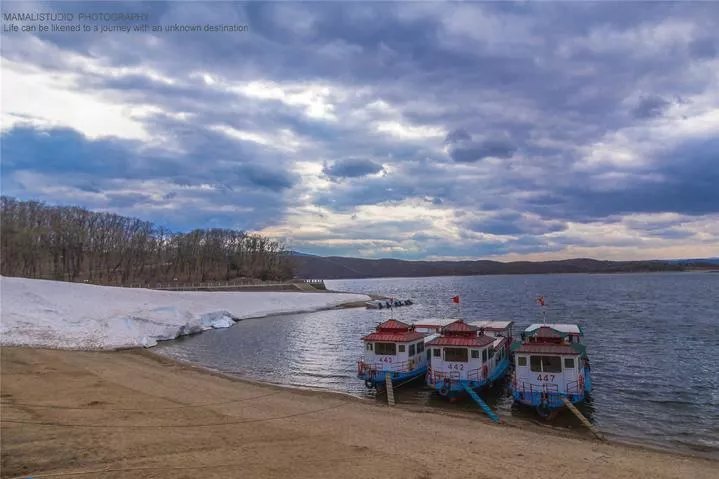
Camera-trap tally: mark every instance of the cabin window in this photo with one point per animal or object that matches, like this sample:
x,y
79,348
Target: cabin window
x,y
456,355
420,347
411,349
491,353
437,352
521,360
385,349
429,354
475,354
401,348
484,355
369,346
545,364
568,363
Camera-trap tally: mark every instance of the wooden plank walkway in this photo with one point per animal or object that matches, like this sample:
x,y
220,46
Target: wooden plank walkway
x,y
390,389
581,417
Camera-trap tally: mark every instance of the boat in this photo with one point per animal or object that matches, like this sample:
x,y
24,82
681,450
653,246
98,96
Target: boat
x,y
396,349
550,365
465,358
388,303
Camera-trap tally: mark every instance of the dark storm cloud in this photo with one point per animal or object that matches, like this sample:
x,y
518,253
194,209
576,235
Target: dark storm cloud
x,y
352,168
522,90
515,224
265,177
650,106
685,181
704,48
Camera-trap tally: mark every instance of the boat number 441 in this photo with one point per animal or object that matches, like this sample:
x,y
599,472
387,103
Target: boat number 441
x,y
546,377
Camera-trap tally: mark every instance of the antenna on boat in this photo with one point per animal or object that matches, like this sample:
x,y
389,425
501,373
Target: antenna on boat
x,y
540,300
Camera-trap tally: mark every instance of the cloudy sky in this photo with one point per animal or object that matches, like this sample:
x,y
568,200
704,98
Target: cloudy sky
x,y
410,130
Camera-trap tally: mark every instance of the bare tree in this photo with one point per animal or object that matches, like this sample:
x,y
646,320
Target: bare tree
x,y
74,244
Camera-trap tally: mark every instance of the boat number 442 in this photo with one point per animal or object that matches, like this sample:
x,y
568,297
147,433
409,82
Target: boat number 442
x,y
545,377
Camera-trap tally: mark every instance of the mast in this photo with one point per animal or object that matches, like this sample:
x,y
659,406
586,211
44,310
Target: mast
x,y
540,300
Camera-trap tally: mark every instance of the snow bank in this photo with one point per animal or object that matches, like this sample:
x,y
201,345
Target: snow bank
x,y
62,315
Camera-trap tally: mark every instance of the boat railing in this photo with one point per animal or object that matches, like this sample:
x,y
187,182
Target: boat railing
x,y
548,392
372,369
475,374
434,376
574,387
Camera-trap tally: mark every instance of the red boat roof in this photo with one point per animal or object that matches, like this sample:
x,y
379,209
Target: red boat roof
x,y
473,342
539,348
548,332
393,337
459,327
393,325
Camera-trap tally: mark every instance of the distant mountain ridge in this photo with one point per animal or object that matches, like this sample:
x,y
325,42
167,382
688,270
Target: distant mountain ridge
x,y
339,267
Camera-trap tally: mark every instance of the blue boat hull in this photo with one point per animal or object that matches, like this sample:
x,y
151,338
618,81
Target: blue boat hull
x,y
456,387
547,403
396,376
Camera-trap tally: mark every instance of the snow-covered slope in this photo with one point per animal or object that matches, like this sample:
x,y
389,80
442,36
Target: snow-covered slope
x,y
64,315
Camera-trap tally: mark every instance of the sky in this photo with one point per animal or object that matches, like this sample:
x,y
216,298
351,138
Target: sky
x,y
416,130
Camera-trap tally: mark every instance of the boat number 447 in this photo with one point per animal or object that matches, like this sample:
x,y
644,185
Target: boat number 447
x,y
545,377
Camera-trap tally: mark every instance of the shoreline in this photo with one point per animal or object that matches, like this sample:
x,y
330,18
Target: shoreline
x,y
508,421
127,413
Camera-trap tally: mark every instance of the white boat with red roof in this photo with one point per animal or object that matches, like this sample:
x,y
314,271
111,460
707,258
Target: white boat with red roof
x,y
468,357
550,364
396,349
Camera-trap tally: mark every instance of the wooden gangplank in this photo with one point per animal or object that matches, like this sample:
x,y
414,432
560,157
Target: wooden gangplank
x,y
485,407
390,389
583,419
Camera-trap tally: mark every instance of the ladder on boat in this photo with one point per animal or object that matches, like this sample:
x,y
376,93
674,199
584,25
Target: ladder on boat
x,y
482,404
390,389
581,417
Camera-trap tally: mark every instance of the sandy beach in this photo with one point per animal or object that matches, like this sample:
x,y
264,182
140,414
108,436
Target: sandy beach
x,y
132,414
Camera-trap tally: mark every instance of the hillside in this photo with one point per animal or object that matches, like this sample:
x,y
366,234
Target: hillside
x,y
335,267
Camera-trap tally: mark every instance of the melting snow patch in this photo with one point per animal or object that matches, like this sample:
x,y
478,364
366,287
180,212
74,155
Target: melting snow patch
x,y
62,315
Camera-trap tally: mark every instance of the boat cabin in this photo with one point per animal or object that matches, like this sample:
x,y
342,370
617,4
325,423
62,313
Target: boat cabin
x,y
550,359
497,329
462,354
394,347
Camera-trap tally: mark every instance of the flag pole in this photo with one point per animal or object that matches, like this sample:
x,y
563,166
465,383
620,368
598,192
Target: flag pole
x,y
540,300
455,299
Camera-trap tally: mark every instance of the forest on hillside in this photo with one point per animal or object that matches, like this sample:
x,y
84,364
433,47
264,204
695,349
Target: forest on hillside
x,y
74,244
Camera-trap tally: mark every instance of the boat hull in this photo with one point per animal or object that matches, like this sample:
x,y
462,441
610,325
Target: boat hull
x,y
378,379
548,403
454,388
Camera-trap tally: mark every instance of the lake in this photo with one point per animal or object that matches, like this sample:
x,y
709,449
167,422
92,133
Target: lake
x,y
652,339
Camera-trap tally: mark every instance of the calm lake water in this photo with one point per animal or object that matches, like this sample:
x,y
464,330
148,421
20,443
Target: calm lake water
x,y
653,340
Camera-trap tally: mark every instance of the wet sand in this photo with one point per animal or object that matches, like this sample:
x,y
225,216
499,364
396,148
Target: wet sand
x,y
131,414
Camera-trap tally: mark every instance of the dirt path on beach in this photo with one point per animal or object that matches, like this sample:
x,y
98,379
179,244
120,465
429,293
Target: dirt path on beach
x,y
132,415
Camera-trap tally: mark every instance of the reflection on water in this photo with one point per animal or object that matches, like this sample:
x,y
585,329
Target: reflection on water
x,y
652,339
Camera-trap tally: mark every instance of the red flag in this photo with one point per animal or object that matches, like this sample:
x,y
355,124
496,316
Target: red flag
x,y
455,299
540,300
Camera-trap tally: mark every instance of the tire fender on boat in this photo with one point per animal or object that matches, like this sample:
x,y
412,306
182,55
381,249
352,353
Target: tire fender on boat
x,y
444,391
543,410
369,383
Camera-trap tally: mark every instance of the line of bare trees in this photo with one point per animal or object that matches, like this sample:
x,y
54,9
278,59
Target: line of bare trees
x,y
74,244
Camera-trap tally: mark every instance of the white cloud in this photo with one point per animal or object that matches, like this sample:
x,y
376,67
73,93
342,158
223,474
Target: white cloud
x,y
32,96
